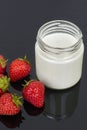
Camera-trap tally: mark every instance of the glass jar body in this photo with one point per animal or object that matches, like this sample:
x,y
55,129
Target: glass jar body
x,y
59,71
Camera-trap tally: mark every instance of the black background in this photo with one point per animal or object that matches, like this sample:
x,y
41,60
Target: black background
x,y
19,23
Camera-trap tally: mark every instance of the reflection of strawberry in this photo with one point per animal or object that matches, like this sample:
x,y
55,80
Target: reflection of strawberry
x,y
18,84
4,84
19,68
31,110
3,64
12,121
9,104
33,92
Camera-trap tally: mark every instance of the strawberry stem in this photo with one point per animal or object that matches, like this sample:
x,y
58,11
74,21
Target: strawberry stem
x,y
25,57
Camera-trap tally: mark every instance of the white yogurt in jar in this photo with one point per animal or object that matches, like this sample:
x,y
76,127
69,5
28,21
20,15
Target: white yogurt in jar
x,y
60,40
59,55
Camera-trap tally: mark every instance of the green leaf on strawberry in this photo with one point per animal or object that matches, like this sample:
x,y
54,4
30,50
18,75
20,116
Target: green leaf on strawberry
x,y
16,99
4,83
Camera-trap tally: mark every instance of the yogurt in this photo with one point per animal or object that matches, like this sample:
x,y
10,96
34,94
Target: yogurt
x,y
59,58
60,40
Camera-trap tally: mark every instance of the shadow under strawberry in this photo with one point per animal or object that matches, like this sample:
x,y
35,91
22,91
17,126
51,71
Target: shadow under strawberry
x,y
18,85
31,110
12,121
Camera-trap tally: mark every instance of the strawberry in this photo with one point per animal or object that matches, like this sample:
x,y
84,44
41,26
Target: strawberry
x,y
4,84
19,69
3,64
9,104
33,93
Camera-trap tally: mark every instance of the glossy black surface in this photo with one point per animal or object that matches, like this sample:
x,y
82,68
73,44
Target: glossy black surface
x,y
19,23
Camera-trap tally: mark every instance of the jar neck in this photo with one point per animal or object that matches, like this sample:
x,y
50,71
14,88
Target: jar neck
x,y
57,27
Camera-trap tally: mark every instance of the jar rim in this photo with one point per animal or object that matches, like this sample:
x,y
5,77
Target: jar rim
x,y
59,24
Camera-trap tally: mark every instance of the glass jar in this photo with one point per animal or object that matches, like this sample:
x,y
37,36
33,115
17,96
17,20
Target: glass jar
x,y
59,53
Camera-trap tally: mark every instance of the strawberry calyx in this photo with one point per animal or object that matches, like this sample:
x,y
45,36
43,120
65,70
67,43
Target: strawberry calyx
x,y
3,62
4,83
28,82
25,59
16,100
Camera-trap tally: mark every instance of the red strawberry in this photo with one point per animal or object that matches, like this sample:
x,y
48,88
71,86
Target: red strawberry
x,y
9,104
33,92
19,69
3,64
4,84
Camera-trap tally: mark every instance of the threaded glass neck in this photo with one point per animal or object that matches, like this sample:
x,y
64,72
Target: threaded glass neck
x,y
59,27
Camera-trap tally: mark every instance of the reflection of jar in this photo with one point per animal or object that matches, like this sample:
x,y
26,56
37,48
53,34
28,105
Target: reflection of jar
x,y
59,54
61,104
